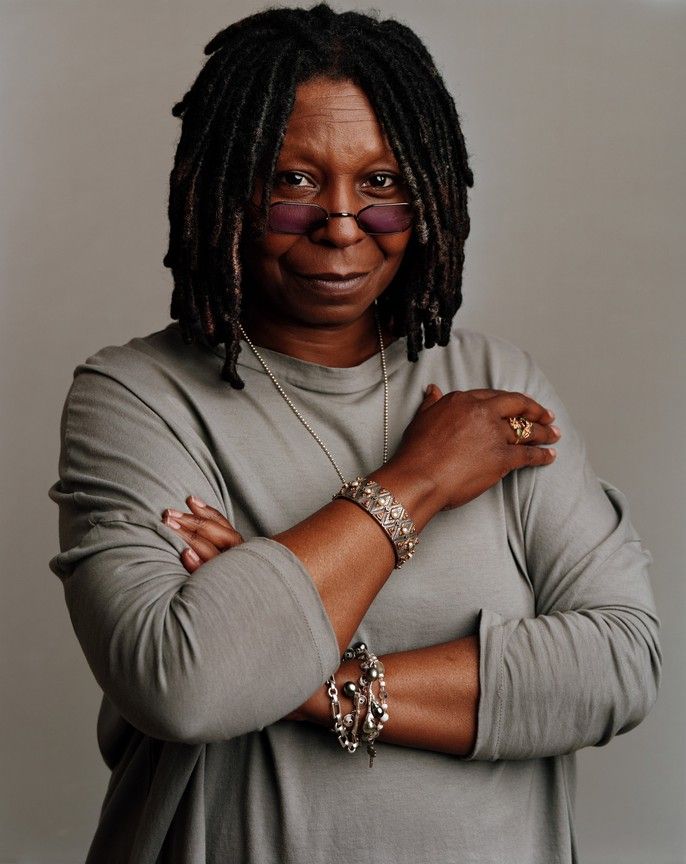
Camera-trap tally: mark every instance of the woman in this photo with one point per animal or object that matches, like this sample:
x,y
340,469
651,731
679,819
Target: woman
x,y
521,626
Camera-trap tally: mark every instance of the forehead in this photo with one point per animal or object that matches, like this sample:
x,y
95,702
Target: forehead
x,y
334,118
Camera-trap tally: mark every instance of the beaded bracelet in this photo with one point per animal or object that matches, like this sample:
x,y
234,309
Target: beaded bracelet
x,y
346,728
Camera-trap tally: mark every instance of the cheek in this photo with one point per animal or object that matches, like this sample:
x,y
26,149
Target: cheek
x,y
262,256
394,246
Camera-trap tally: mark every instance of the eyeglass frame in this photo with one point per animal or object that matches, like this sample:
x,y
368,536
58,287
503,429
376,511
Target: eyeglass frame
x,y
328,214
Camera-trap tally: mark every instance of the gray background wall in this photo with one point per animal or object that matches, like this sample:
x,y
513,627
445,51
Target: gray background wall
x,y
573,113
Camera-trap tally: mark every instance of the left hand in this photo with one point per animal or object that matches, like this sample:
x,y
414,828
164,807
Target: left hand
x,y
206,531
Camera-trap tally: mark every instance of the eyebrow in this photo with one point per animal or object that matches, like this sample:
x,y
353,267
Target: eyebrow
x,y
311,156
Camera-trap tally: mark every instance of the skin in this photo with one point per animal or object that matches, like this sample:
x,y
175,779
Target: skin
x,y
343,162
458,444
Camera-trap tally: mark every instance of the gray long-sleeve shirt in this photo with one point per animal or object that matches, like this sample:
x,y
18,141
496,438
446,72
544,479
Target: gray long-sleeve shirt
x,y
198,670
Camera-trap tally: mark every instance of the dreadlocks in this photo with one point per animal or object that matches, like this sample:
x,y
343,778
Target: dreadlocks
x,y
234,121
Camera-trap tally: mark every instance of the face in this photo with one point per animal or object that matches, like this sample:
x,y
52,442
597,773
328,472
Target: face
x,y
334,154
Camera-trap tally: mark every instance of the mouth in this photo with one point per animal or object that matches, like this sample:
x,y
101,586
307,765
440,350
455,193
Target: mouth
x,y
332,277
331,281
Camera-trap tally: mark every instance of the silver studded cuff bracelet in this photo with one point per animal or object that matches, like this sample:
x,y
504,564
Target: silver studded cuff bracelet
x,y
388,512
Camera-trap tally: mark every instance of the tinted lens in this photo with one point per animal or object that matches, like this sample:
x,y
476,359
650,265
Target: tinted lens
x,y
295,218
385,218
292,218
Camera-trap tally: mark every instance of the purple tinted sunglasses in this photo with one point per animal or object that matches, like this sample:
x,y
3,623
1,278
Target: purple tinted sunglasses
x,y
287,217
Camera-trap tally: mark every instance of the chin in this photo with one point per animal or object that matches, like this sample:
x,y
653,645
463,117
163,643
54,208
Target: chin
x,y
327,314
313,299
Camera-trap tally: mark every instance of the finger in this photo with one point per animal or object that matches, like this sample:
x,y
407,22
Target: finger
x,y
512,404
198,506
221,534
540,434
204,548
527,457
489,393
432,394
204,511
190,559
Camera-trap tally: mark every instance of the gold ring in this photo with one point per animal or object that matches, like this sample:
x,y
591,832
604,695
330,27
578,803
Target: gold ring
x,y
522,428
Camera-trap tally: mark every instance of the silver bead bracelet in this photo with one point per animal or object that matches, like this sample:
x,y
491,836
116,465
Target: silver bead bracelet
x,y
347,728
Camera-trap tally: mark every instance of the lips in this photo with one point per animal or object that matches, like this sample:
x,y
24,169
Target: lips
x,y
333,284
331,277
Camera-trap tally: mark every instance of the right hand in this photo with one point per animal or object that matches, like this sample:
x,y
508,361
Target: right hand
x,y
206,531
463,443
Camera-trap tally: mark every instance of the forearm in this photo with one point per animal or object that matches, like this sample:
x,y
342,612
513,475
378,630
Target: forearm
x,y
433,696
341,541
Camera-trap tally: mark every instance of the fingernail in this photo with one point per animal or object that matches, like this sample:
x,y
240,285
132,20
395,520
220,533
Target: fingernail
x,y
192,554
175,514
552,413
553,451
198,501
172,522
556,430
428,389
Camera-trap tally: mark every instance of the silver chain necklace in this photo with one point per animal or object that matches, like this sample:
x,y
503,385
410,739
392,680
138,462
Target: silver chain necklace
x,y
302,419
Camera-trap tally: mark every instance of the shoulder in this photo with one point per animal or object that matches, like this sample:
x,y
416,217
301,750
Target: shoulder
x,y
136,355
149,366
487,347
149,379
486,360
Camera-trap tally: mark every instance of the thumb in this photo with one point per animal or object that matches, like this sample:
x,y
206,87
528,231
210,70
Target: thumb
x,y
431,394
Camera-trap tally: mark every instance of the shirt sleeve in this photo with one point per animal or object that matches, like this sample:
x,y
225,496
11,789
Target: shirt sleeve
x,y
587,667
231,648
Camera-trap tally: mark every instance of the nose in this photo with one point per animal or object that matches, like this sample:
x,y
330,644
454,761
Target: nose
x,y
339,231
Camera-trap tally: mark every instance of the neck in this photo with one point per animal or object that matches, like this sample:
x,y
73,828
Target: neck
x,y
342,345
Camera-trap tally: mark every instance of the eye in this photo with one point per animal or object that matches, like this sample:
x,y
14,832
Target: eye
x,y
393,178
286,176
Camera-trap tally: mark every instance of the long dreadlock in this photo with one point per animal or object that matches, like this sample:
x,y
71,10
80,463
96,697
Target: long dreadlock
x,y
234,121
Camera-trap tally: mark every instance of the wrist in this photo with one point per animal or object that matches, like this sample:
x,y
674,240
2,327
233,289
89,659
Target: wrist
x,y
362,724
418,495
317,709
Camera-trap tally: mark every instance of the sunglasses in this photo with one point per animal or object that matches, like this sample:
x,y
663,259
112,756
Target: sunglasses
x,y
287,217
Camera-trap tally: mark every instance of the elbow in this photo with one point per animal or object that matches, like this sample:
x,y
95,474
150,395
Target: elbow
x,y
159,721
640,676
179,728
647,683
172,693
167,683
183,660
186,716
